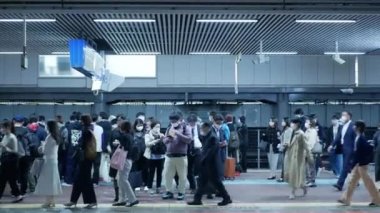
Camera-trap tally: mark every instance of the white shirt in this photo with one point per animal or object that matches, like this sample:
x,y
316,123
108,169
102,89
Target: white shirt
x,y
344,130
98,133
197,142
335,131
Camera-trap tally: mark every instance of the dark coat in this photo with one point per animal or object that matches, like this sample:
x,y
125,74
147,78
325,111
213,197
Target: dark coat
x,y
271,136
243,134
209,160
363,154
338,149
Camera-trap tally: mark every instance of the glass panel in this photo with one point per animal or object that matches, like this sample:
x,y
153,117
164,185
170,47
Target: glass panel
x,y
141,66
56,66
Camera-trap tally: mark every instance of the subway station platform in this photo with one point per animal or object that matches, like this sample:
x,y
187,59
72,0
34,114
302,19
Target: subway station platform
x,y
251,192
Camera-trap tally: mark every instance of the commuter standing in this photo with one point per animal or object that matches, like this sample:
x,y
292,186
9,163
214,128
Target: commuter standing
x,y
9,161
155,152
193,152
286,135
209,169
346,137
141,164
311,137
125,189
98,133
271,135
335,154
49,183
177,138
362,157
63,146
243,138
376,139
295,160
86,155
219,131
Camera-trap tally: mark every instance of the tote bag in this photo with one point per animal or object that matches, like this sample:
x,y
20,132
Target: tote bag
x,y
118,158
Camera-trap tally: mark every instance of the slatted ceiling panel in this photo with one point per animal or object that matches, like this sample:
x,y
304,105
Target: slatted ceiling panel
x,y
179,33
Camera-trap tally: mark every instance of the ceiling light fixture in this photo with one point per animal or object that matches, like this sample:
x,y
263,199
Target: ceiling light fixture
x,y
60,53
11,53
227,20
125,20
345,53
28,20
277,53
326,21
209,53
140,53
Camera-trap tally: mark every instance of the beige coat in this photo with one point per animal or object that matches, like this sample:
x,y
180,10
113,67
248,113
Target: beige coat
x,y
149,142
295,161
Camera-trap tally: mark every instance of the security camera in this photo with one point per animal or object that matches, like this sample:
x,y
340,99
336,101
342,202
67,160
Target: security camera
x,y
338,59
238,58
260,59
348,91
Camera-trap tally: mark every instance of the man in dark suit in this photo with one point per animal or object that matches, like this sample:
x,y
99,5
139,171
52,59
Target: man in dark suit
x,y
335,154
346,137
209,173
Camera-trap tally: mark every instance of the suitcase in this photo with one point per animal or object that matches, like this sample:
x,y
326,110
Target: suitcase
x,y
229,168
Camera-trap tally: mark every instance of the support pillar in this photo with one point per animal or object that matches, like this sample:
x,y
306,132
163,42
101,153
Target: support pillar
x,y
283,107
99,104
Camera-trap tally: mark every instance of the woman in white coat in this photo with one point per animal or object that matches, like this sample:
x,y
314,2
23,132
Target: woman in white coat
x,y
49,183
311,135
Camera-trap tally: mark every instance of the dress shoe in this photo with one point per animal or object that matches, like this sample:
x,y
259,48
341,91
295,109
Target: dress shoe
x,y
180,196
91,206
339,188
374,205
210,197
195,203
225,202
133,203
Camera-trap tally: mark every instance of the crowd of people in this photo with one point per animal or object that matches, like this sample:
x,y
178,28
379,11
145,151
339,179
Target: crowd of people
x,y
40,157
301,142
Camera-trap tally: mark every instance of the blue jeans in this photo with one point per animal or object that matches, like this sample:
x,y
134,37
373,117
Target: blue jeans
x,y
346,168
336,162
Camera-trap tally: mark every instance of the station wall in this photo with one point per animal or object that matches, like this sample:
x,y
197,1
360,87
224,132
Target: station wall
x,y
216,71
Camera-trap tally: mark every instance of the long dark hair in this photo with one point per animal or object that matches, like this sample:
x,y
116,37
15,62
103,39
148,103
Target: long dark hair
x,y
126,127
138,122
86,120
9,125
52,127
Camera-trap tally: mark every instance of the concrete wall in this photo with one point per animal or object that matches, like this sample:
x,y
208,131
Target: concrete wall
x,y
216,71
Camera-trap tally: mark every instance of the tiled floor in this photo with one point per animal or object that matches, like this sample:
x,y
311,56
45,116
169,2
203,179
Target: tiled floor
x,y
250,193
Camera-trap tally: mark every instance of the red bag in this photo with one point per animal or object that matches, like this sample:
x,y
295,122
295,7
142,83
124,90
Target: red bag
x,y
118,158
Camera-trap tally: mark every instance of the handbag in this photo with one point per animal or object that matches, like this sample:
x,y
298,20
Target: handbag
x,y
36,168
317,148
263,146
118,158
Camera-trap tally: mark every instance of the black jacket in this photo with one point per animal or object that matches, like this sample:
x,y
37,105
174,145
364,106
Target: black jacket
x,y
243,135
115,135
271,136
107,132
210,158
126,141
330,140
363,154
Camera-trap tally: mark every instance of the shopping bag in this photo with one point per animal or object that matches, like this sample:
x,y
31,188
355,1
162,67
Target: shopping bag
x,y
118,158
36,168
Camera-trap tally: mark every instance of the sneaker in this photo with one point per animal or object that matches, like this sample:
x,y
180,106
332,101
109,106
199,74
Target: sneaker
x,y
66,184
339,188
311,185
280,180
18,199
137,189
168,195
119,204
271,178
225,202
374,205
152,192
146,188
195,203
180,196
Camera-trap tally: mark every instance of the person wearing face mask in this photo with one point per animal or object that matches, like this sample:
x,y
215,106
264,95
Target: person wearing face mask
x,y
286,135
298,113
243,137
208,167
271,135
142,163
217,128
311,136
335,154
177,139
295,160
155,152
362,157
376,140
346,137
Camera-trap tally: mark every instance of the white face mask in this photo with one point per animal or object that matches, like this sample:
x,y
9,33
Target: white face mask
x,y
139,128
271,123
344,119
293,126
307,125
202,133
175,125
283,124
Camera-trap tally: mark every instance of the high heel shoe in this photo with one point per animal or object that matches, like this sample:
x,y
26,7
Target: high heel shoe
x,y
70,205
91,206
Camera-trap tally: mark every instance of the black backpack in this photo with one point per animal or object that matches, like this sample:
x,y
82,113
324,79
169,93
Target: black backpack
x,y
34,144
